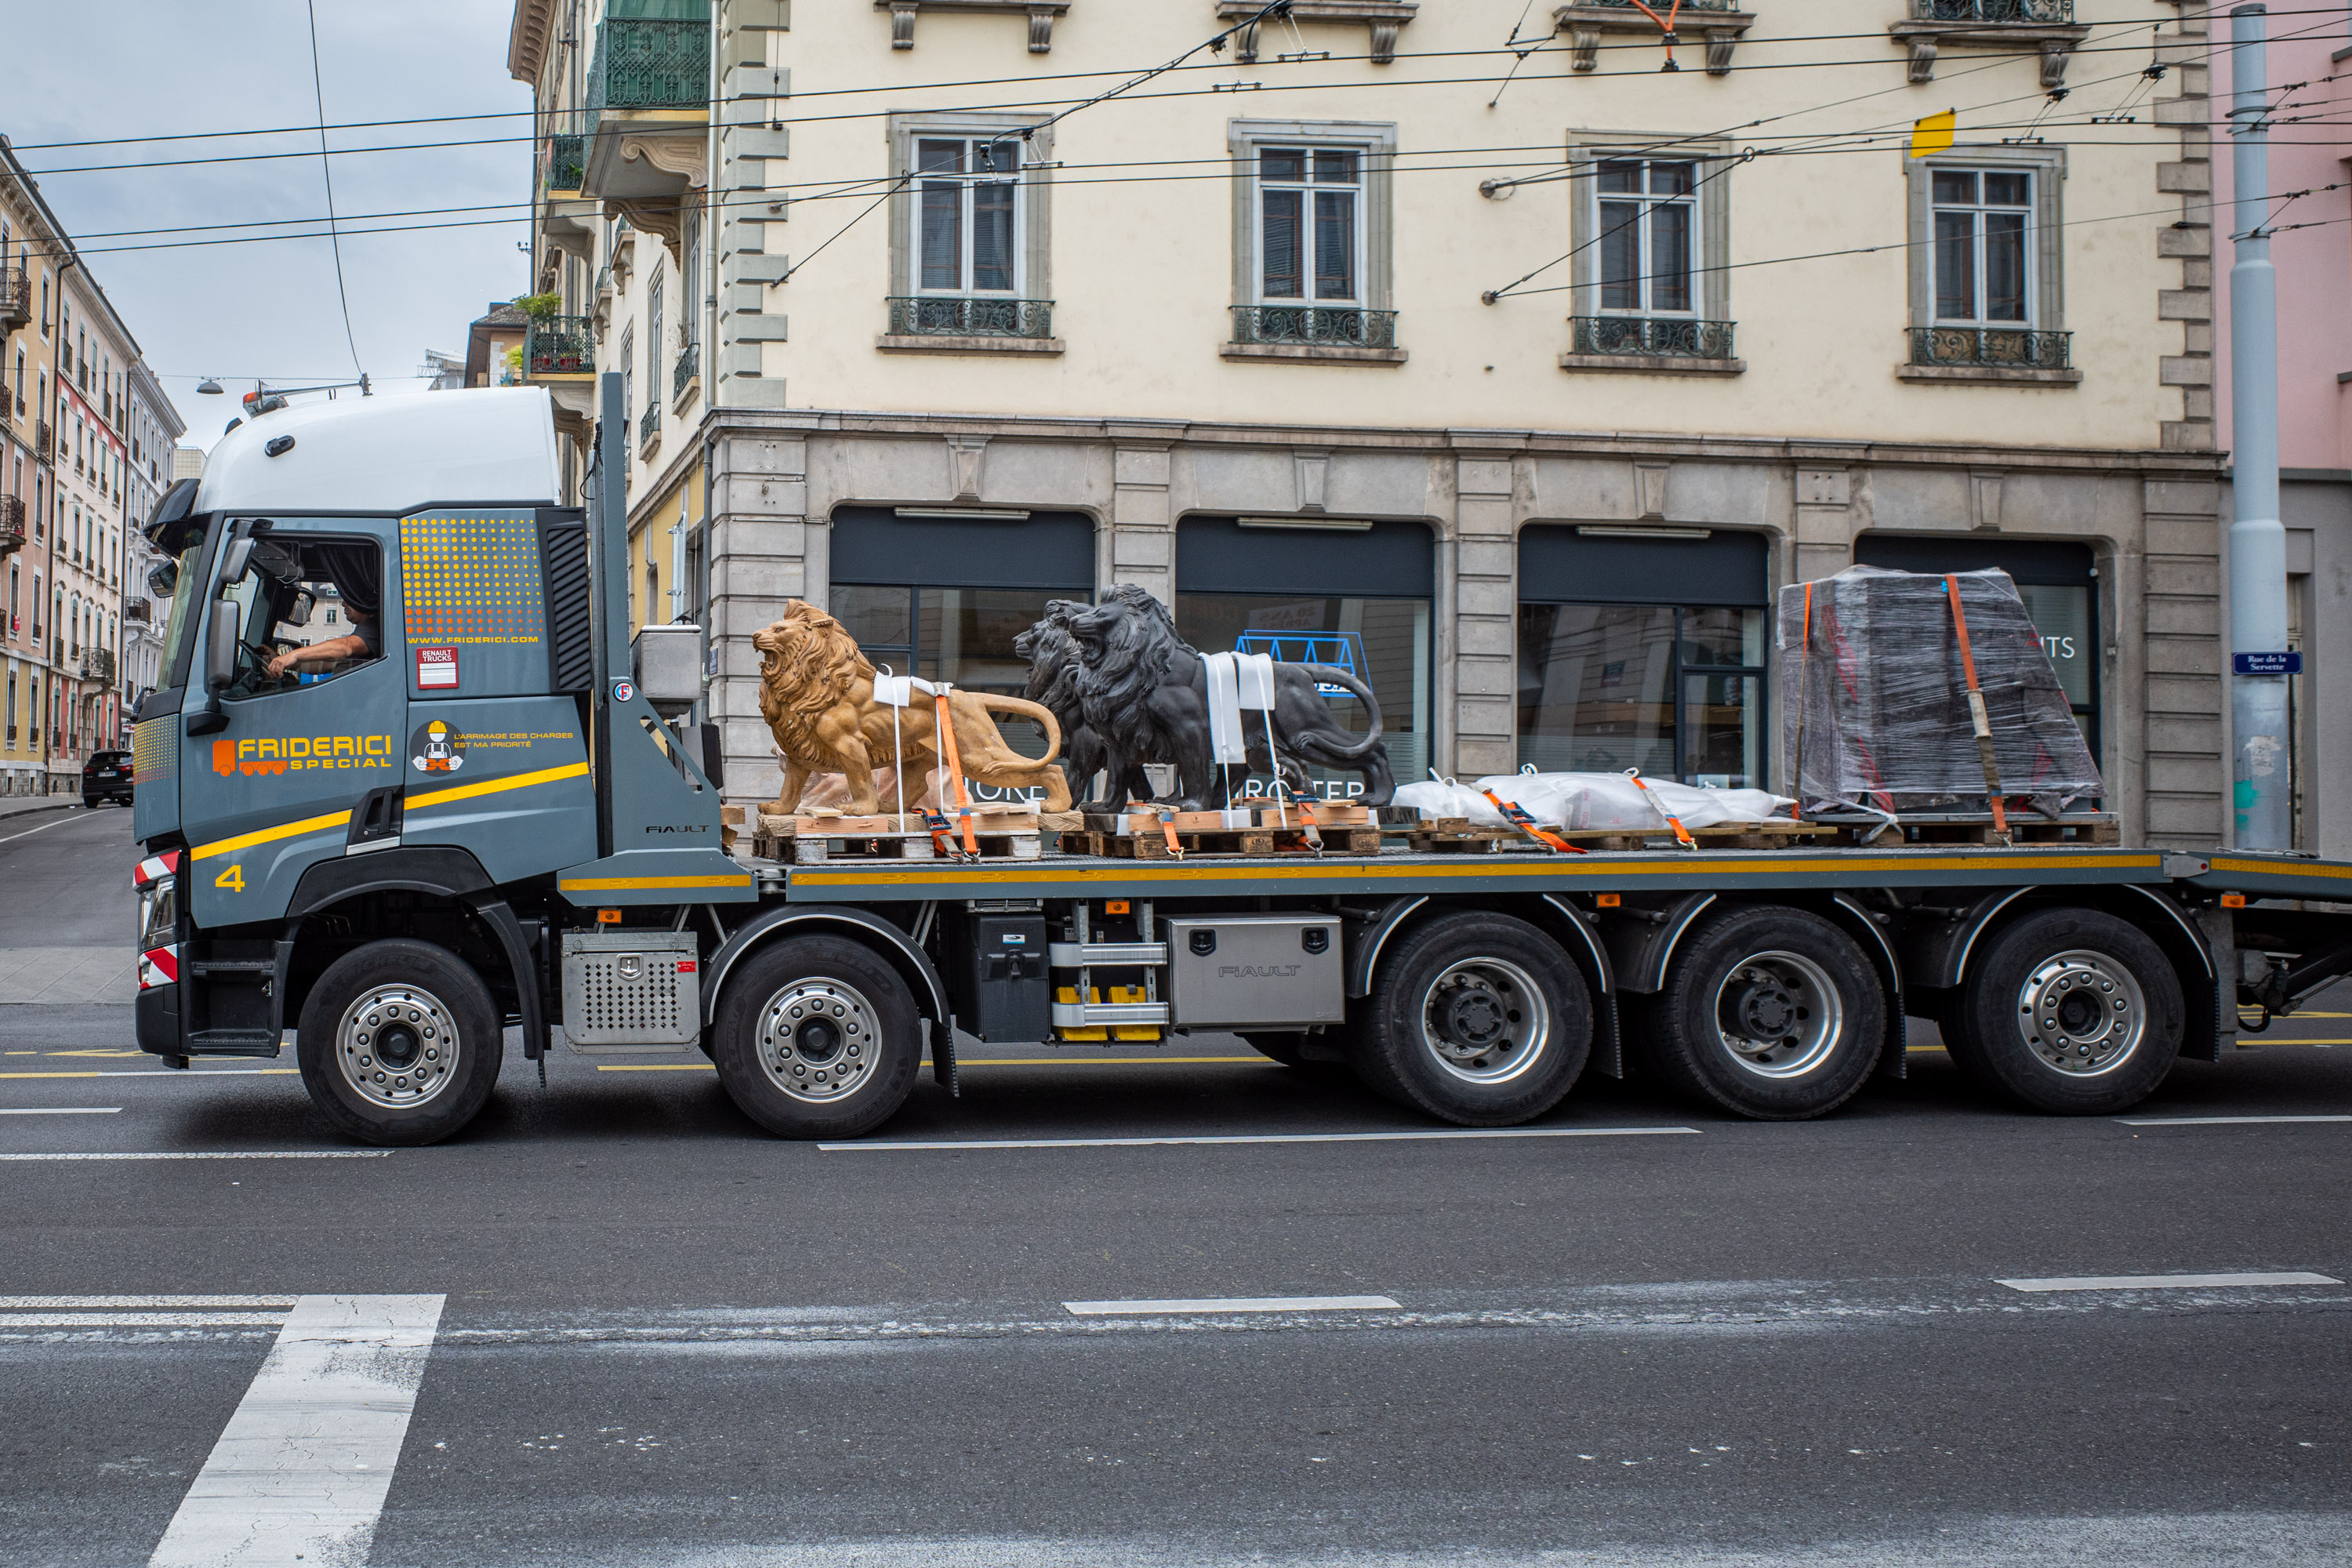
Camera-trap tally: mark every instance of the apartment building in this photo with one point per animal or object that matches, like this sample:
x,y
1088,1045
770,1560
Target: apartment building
x,y
90,520
1469,348
30,243
155,429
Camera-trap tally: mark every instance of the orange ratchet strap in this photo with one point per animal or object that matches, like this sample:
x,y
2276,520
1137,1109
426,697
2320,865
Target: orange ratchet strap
x,y
1517,815
1168,830
1978,717
954,765
1682,834
1305,816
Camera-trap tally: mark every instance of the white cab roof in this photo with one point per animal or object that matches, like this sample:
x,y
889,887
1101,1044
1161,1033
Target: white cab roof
x,y
491,445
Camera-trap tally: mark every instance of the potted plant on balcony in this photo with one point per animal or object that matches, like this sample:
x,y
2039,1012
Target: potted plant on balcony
x,y
541,307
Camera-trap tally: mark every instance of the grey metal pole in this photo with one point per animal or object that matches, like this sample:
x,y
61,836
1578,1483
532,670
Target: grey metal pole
x,y
2258,681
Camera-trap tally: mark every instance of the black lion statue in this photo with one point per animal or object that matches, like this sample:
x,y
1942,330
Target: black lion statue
x,y
1144,693
1055,672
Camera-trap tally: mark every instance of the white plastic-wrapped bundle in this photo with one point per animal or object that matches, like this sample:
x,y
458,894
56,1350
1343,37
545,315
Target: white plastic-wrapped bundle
x,y
1875,696
1608,803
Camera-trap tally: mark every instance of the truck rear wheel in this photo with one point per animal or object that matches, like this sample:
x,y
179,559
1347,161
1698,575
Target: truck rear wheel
x,y
818,1037
2071,1011
399,1043
1478,1019
1770,1013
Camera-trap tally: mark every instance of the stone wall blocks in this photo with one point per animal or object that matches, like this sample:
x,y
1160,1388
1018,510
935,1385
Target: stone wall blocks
x,y
2183,695
1485,597
2191,304
1486,558
2185,179
2184,242
2186,370
2187,736
2167,654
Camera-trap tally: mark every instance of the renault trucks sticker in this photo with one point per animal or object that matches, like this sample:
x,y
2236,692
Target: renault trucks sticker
x,y
437,748
436,668
281,753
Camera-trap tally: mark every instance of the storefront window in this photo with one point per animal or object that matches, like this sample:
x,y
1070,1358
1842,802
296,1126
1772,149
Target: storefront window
x,y
962,635
1383,642
1677,693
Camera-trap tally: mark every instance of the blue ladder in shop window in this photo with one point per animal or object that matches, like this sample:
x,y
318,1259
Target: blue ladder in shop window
x,y
1340,650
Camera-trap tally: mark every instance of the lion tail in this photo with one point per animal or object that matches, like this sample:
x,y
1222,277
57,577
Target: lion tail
x,y
1325,675
1028,710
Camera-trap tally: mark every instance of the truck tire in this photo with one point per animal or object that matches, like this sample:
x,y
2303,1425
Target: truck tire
x,y
399,1043
2071,1011
818,1037
1476,1019
1769,1013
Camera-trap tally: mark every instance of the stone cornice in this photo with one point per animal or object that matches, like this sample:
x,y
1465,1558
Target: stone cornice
x,y
1384,18
526,39
1720,31
1040,13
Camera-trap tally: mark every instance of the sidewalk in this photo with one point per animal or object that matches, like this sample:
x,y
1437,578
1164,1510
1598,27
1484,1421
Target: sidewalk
x,y
26,804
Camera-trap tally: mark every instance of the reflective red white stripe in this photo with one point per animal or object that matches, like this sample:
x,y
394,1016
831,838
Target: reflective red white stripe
x,y
154,869
160,967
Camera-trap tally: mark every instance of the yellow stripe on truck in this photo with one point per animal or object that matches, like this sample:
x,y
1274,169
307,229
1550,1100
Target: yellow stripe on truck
x,y
271,835
494,786
624,884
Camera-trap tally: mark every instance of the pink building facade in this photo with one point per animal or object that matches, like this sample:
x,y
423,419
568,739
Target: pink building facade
x,y
2310,72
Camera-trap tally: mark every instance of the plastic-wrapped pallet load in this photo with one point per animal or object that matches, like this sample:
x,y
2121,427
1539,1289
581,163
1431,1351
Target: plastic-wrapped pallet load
x,y
1609,803
1874,695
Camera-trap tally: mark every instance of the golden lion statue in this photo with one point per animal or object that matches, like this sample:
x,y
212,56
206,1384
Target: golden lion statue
x,y
816,691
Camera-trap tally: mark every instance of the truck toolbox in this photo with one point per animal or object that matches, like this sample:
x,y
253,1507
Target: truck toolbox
x,y
1256,971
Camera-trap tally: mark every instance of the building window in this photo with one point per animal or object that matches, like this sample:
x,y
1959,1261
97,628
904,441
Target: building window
x,y
628,373
1649,250
970,229
1312,225
1643,653
1986,259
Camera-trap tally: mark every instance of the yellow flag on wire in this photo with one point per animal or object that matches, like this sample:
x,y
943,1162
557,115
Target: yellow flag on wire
x,y
1934,134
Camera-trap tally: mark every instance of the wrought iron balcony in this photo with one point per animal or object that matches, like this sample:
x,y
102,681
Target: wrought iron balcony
x,y
16,299
649,427
1342,326
97,664
558,345
646,64
567,161
1994,13
945,316
43,441
1688,5
12,524
688,364
1996,346
1658,337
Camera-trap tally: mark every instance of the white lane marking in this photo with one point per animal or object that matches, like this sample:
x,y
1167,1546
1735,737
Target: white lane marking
x,y
226,1155
2165,1281
1256,1138
140,1320
1234,1304
163,1072
2218,1120
60,822
305,1464
69,1303
61,1110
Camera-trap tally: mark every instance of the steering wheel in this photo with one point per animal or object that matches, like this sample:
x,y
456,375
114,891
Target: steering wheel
x,y
265,654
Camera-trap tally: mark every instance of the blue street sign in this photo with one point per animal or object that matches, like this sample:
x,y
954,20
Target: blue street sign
x,y
2266,663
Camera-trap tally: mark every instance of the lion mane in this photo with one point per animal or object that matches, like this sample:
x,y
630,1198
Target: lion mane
x,y
808,663
1129,641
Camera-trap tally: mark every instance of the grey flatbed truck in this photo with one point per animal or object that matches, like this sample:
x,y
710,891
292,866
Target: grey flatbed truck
x,y
475,821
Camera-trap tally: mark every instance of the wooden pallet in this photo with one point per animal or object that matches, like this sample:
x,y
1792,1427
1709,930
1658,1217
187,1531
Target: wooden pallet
x,y
2102,830
814,840
1262,842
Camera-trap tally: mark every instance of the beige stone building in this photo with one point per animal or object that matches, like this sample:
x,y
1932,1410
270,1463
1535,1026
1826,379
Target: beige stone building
x,y
1505,367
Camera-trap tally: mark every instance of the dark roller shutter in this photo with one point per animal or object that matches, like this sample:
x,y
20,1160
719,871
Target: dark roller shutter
x,y
1045,550
1387,561
1558,566
2048,562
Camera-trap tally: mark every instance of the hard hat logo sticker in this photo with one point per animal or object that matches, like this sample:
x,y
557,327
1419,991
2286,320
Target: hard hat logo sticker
x,y
437,748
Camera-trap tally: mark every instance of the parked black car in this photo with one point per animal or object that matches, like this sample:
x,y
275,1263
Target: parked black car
x,y
106,777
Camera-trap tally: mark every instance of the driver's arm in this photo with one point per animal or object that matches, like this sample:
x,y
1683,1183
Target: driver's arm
x,y
327,652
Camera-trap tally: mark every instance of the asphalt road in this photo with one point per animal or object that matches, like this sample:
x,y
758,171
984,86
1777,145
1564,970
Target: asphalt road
x,y
621,1326
64,879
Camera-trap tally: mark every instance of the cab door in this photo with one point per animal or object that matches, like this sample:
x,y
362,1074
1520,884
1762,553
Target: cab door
x,y
271,793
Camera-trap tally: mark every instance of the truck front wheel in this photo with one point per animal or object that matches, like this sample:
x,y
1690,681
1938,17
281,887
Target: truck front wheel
x,y
818,1037
399,1043
1769,1013
1478,1019
2070,1011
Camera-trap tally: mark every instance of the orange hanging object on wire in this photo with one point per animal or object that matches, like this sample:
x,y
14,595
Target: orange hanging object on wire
x,y
1665,25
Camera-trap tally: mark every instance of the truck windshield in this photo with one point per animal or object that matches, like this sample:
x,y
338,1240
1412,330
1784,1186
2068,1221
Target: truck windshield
x,y
190,571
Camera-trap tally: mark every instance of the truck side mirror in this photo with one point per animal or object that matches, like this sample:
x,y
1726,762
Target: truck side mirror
x,y
220,651
297,614
236,562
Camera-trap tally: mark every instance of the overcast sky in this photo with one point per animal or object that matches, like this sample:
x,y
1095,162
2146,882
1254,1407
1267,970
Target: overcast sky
x,y
150,68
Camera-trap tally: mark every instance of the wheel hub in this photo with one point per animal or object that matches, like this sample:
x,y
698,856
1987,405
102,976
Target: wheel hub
x,y
1484,1020
817,1039
1779,1015
397,1045
2081,1013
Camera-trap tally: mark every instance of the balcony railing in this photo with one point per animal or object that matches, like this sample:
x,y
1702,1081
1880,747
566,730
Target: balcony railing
x,y
942,316
12,524
644,64
16,299
1999,346
649,427
1688,5
97,664
567,161
1342,325
1661,337
42,441
2036,12
688,361
558,345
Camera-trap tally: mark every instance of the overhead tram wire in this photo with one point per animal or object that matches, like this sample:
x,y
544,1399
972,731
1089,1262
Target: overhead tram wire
x,y
326,171
1069,106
